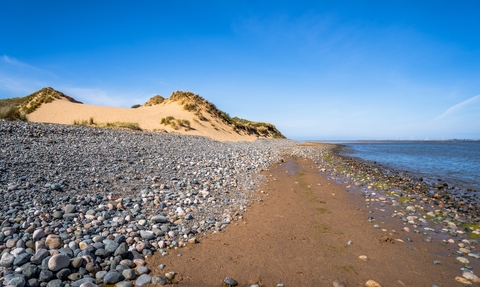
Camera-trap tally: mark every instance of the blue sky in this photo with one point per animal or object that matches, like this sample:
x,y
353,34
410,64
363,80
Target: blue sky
x,y
315,69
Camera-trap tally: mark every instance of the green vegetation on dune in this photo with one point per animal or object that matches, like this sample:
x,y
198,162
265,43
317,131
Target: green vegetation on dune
x,y
205,111
110,125
46,95
198,106
176,123
18,108
155,100
9,110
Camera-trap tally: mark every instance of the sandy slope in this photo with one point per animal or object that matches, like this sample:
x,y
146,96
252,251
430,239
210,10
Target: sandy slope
x,y
63,111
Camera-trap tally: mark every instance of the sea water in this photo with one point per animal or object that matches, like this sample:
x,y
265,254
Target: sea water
x,y
455,162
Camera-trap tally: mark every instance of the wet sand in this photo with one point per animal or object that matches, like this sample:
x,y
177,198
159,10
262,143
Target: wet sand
x,y
297,233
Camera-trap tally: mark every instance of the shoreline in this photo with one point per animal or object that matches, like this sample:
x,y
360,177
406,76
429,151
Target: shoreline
x,y
454,185
383,178
307,229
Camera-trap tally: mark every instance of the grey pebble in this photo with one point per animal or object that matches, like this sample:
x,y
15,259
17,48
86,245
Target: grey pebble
x,y
112,277
339,283
229,281
143,280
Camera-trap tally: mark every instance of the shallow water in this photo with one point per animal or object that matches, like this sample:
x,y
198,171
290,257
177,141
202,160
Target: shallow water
x,y
454,162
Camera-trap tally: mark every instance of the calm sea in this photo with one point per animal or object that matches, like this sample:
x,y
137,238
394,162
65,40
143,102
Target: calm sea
x,y
454,162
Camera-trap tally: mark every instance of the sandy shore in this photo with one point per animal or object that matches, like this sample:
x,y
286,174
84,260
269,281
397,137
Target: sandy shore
x,y
307,230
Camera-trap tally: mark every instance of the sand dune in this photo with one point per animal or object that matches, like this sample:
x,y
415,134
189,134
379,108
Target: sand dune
x,y
63,111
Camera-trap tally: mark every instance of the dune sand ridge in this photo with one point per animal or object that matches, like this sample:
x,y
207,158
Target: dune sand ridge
x,y
63,111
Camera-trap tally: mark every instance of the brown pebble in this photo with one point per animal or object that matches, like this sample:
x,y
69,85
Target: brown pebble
x,y
371,283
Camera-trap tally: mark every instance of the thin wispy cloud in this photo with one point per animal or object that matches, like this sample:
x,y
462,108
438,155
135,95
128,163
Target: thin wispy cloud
x,y
24,66
458,107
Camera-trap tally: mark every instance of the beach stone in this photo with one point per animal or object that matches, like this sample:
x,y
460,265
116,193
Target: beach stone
x,y
67,251
371,283
463,280
111,246
22,259
57,214
63,274
92,267
38,234
410,208
33,282
121,267
69,208
124,284
6,260
53,241
74,276
88,284
339,283
147,234
58,261
45,275
17,251
363,257
11,243
139,262
55,283
142,270
18,281
112,277
82,281
160,280
128,262
230,281
30,271
470,276
143,280
82,245
463,260
76,262
129,274
159,219
170,275
100,274
122,250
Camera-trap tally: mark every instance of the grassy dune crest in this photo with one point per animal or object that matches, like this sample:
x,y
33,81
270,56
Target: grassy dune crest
x,y
18,108
200,107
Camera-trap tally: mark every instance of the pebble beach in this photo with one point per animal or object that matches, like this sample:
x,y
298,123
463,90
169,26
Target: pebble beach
x,y
85,206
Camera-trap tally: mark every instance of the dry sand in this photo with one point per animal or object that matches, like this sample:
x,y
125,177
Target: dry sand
x,y
62,111
298,235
